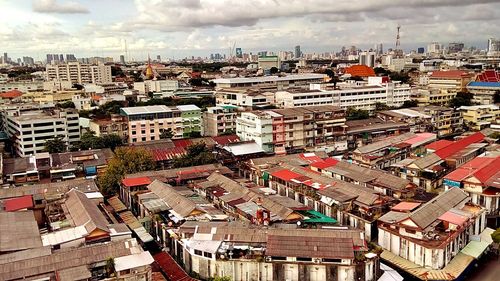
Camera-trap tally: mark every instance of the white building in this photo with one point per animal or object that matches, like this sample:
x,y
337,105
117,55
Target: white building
x,y
367,58
244,98
21,86
31,129
156,86
257,126
359,95
271,82
76,72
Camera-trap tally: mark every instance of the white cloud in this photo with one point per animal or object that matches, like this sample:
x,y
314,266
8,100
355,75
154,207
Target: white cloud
x,y
55,7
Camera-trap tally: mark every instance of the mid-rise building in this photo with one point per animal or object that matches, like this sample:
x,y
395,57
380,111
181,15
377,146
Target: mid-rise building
x,y
294,129
271,82
116,125
245,98
219,120
29,130
444,120
268,62
80,73
367,58
146,123
454,80
479,117
156,86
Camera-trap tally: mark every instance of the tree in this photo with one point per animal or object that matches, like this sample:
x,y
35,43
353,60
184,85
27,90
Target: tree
x,y
166,134
409,103
496,97
197,154
403,77
110,266
356,114
461,99
55,145
88,140
273,70
381,106
112,141
496,236
380,71
67,104
127,160
220,278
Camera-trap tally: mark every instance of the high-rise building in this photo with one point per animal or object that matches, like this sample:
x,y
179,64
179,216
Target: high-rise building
x,y
239,53
493,47
421,50
122,59
158,58
367,58
379,49
50,58
61,57
76,72
5,58
297,54
70,57
434,48
455,47
28,61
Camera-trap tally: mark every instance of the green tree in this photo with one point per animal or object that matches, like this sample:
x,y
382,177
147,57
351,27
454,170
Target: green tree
x,y
461,99
381,106
110,266
409,103
197,154
220,278
127,160
67,104
496,236
112,141
55,145
399,76
356,114
166,134
89,140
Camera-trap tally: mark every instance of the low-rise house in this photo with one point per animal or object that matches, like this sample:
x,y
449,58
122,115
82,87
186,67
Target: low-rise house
x,y
362,132
116,125
248,98
383,153
436,240
240,251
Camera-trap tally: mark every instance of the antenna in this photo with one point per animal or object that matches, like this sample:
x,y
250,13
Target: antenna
x,y
398,52
126,52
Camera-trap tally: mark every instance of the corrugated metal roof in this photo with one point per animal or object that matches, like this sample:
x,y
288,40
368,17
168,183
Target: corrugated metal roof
x,y
83,211
455,147
309,247
18,231
19,203
139,181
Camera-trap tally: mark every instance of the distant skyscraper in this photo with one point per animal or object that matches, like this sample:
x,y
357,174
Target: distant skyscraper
x,y
262,53
421,50
28,61
122,59
455,47
493,46
434,48
158,58
297,53
239,53
5,58
367,58
70,57
50,58
61,57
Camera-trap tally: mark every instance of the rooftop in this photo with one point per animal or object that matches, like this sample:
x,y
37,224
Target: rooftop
x,y
18,231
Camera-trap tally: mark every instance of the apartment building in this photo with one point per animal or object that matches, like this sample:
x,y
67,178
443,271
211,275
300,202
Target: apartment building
x,y
245,98
444,120
156,86
21,86
271,82
30,129
294,129
219,120
360,95
116,124
147,123
479,117
454,80
80,73
51,97
483,92
427,96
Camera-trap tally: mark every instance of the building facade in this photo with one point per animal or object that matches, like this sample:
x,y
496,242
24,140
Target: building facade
x,y
219,120
80,73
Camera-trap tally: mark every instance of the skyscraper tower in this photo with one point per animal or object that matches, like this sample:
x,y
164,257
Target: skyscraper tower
x,y
398,52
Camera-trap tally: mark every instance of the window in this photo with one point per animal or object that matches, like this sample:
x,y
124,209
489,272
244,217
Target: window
x,y
207,255
290,134
198,252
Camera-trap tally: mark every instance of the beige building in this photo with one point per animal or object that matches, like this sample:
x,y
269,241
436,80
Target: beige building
x,y
244,98
219,119
479,117
426,97
79,73
116,125
454,80
50,97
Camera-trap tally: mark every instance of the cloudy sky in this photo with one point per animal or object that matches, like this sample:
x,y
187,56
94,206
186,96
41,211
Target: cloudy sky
x,y
179,28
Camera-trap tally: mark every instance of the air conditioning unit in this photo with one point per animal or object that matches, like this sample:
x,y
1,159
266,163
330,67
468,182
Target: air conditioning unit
x,y
316,260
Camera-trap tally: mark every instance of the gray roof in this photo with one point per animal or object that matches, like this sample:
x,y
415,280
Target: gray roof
x,y
174,173
427,161
178,203
393,217
85,212
384,143
18,231
432,210
48,189
74,273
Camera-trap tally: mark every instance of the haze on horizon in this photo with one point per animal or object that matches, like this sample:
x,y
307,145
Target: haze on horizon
x,y
180,28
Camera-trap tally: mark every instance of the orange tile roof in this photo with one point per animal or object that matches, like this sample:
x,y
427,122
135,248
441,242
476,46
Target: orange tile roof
x,y
449,74
360,70
11,94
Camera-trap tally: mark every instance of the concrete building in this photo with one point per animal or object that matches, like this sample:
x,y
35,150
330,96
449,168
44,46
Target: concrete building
x,y
268,62
434,48
297,53
437,97
219,120
288,130
77,72
156,86
483,92
147,123
444,120
436,237
271,82
116,124
21,86
367,58
454,80
358,95
479,117
244,98
30,129
493,47
51,97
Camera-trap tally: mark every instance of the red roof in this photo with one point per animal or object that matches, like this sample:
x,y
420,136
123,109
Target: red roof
x,y
19,203
223,140
459,145
449,74
360,70
328,162
11,94
171,268
489,75
182,143
285,175
453,218
406,206
310,157
438,144
488,171
130,182
469,168
163,154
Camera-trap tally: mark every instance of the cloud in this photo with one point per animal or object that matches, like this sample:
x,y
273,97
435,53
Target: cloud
x,y
54,7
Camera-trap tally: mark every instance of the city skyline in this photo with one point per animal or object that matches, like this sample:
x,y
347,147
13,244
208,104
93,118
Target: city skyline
x,y
177,29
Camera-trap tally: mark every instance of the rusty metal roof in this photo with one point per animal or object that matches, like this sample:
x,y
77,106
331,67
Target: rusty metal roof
x,y
309,247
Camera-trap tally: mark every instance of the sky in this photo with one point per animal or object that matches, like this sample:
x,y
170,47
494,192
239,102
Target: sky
x,y
180,28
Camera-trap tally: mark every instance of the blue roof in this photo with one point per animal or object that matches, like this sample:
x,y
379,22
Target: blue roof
x,y
485,84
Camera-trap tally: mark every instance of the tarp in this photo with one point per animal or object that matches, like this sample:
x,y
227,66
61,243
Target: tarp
x,y
317,217
475,248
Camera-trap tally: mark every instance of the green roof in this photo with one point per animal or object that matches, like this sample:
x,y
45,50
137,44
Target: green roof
x,y
317,217
475,248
